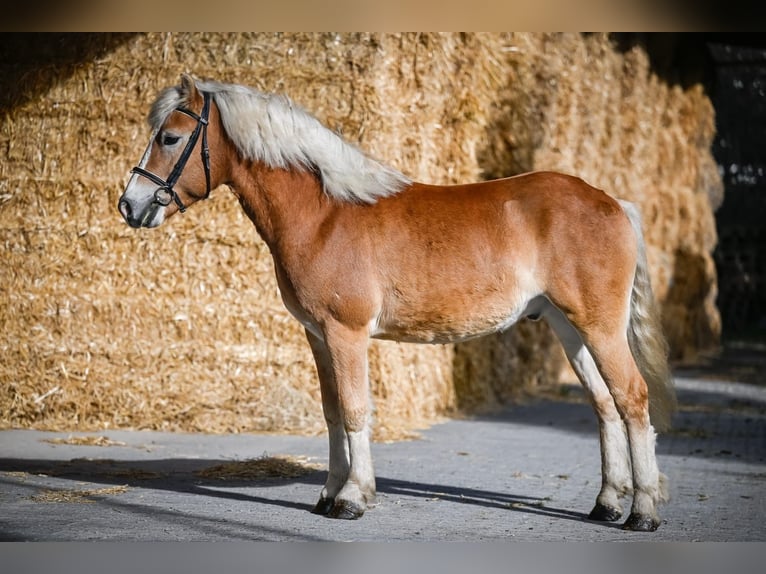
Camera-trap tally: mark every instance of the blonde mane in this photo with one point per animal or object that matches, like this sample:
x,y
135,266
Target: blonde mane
x,y
271,129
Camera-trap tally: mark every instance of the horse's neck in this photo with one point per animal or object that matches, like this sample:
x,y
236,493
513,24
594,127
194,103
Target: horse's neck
x,y
286,206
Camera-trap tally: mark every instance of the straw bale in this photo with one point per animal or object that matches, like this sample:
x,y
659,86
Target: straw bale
x,y
182,328
577,105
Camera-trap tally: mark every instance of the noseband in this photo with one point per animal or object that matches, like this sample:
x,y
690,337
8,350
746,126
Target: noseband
x,y
165,192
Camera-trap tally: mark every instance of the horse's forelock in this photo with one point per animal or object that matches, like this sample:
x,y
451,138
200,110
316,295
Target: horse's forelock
x,y
168,100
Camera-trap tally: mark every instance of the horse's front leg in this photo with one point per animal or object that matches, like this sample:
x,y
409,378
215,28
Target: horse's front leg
x,y
341,360
339,459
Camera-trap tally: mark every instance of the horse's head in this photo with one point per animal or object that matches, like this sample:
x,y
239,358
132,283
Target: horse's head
x,y
175,169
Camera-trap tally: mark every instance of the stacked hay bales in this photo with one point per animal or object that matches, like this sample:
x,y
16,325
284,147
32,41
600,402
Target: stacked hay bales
x,y
182,328
578,105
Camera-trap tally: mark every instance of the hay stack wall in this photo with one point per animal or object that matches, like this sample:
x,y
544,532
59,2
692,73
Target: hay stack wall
x,y
611,120
181,328
575,103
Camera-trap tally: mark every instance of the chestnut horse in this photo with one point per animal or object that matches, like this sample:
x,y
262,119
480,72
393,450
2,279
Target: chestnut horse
x,y
360,251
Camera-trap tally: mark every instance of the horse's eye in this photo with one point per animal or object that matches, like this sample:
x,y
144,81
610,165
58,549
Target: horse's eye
x,y
170,140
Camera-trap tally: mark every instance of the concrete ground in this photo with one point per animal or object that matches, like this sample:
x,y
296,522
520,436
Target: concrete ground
x,y
531,472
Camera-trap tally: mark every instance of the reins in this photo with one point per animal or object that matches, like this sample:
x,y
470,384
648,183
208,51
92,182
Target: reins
x,y
165,192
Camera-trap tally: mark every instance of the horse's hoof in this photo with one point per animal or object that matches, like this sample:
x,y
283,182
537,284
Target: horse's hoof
x,y
346,510
604,513
640,523
324,506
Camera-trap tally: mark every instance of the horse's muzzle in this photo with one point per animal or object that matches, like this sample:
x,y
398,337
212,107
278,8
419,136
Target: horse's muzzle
x,y
128,214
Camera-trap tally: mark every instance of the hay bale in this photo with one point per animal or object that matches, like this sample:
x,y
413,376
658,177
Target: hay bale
x,y
182,328
576,104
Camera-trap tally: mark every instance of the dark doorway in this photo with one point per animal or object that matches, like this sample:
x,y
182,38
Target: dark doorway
x,y
738,92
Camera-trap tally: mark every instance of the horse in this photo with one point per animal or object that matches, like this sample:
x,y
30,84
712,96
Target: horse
x,y
363,252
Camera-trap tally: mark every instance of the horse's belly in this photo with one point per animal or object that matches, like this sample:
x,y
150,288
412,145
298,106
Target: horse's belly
x,y
433,335
452,325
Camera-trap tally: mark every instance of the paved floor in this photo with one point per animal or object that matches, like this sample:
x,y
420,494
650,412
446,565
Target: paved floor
x,y
530,472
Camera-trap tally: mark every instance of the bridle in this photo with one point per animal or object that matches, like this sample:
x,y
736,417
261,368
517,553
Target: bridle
x,y
165,193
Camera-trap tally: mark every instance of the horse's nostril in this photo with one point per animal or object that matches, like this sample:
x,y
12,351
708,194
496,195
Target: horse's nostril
x,y
127,213
124,208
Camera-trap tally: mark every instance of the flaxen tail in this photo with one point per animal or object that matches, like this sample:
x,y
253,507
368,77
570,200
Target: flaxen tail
x,y
645,336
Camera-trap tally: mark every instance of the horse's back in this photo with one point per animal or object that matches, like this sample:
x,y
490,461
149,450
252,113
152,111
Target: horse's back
x,y
533,192
528,212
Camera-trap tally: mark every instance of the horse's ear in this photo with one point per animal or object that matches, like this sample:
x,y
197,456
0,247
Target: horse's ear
x,y
188,88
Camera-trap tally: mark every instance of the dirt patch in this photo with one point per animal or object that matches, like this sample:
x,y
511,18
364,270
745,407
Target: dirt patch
x,y
85,441
279,466
86,496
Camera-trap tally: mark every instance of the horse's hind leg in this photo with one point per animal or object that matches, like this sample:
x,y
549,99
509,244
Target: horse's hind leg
x,y
616,479
615,362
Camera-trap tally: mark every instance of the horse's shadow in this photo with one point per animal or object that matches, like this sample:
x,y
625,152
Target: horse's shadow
x,y
476,497
183,476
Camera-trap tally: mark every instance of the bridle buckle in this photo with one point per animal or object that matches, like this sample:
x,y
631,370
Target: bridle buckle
x,y
163,196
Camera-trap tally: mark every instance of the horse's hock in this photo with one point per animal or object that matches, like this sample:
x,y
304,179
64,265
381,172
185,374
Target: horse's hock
x,y
182,327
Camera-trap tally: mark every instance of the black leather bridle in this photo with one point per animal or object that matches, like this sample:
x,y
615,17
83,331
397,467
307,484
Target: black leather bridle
x,y
165,192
